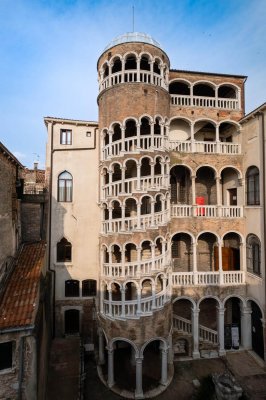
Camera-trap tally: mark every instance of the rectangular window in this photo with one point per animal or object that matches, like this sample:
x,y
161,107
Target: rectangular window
x,y
89,287
66,136
5,355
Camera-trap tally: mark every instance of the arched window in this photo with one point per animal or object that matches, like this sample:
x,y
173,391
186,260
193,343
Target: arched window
x,y
71,288
89,287
253,254
253,186
65,186
63,250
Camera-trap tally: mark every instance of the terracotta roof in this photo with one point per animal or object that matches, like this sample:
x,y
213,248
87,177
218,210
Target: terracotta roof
x,y
40,174
9,155
19,303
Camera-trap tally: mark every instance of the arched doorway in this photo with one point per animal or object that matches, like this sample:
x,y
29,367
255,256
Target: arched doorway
x,y
257,329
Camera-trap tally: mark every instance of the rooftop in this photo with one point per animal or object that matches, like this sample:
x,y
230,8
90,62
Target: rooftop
x,y
133,37
19,304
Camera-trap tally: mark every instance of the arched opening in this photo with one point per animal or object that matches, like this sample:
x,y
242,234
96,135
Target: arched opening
x,y
151,367
227,92
180,182
208,325
182,252
130,208
206,192
131,128
105,254
65,187
72,288
253,186
228,132
117,65
131,169
116,254
158,166
130,291
205,131
145,169
116,211
182,328
157,127
146,288
158,203
106,137
124,365
232,323
158,247
179,130
231,190
117,133
144,63
131,253
257,329
117,173
105,176
159,286
145,205
206,253
131,62
116,292
179,88
203,89
71,322
105,70
253,254
156,67
105,212
63,251
231,252
145,128
146,253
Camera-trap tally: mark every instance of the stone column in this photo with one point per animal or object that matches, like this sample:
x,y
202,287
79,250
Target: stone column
x,y
246,327
195,332
123,173
164,353
101,348
138,176
152,214
138,301
195,268
192,138
220,260
170,350
123,129
151,71
123,212
123,70
219,197
101,297
217,138
138,390
138,137
110,380
152,135
152,175
138,69
123,299
220,312
152,256
193,189
138,215
153,294
139,261
110,301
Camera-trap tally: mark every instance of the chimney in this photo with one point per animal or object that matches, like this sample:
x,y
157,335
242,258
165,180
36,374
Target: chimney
x,y
35,165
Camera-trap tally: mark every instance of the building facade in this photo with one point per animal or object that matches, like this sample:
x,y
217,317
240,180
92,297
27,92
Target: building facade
x,y
156,218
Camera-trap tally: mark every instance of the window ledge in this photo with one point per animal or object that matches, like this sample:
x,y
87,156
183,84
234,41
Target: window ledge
x,y
7,371
64,264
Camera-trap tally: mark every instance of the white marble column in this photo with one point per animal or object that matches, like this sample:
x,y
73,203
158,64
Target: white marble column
x,y
123,70
138,301
246,327
164,353
138,176
152,135
123,299
220,261
110,380
123,174
138,390
194,260
195,332
123,129
220,312
138,137
110,301
101,348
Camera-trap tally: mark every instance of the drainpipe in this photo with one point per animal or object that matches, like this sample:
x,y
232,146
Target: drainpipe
x,y
50,228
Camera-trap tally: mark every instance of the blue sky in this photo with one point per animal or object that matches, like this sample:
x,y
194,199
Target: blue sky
x,y
49,50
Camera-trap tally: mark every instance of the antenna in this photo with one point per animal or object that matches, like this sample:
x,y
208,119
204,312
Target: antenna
x,y
133,21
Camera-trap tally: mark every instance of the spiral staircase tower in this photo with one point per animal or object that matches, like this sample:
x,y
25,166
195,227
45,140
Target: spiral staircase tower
x,y
135,200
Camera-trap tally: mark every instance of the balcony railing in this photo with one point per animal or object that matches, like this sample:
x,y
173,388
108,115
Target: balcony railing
x,y
136,308
134,145
205,102
216,278
136,269
131,185
185,326
206,211
205,147
130,76
130,224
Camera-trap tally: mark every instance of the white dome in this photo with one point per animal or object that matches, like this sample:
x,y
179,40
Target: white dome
x,y
133,37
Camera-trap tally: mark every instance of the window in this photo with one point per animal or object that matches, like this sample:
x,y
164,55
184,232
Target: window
x,y
253,254
253,186
65,187
71,288
6,355
64,250
66,136
89,287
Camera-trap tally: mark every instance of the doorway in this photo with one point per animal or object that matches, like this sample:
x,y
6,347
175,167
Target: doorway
x,y
71,322
232,197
